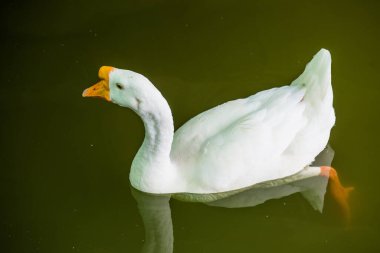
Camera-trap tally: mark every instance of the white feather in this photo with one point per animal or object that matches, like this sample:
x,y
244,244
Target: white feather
x,y
271,135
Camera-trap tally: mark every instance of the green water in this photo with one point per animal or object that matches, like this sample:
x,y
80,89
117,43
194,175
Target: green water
x,y
65,160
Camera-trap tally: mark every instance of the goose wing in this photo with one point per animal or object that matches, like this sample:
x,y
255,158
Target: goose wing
x,y
241,142
267,136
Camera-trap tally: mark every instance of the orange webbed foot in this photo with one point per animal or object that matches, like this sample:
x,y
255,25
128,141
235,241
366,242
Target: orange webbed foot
x,y
338,191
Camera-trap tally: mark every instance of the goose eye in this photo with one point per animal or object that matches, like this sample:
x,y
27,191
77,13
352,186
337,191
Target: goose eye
x,y
119,86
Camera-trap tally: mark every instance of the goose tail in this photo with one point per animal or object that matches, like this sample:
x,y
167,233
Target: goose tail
x,y
316,78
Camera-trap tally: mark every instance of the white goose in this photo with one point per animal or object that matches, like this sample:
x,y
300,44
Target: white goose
x,y
271,135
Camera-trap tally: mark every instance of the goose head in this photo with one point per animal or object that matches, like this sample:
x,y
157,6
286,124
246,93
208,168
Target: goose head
x,y
127,89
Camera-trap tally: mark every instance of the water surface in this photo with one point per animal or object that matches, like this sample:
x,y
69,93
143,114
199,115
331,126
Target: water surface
x,y
65,159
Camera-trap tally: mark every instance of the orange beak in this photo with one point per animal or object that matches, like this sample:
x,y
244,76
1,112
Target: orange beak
x,y
102,88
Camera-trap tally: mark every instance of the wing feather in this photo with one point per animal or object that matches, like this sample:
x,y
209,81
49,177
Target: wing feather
x,y
247,133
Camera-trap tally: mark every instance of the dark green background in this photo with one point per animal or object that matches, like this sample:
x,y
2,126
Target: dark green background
x,y
65,160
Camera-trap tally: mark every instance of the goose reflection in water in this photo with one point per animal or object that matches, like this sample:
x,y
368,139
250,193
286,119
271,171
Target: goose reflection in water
x,y
312,184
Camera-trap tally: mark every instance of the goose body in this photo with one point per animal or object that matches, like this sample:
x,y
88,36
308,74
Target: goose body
x,y
271,135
